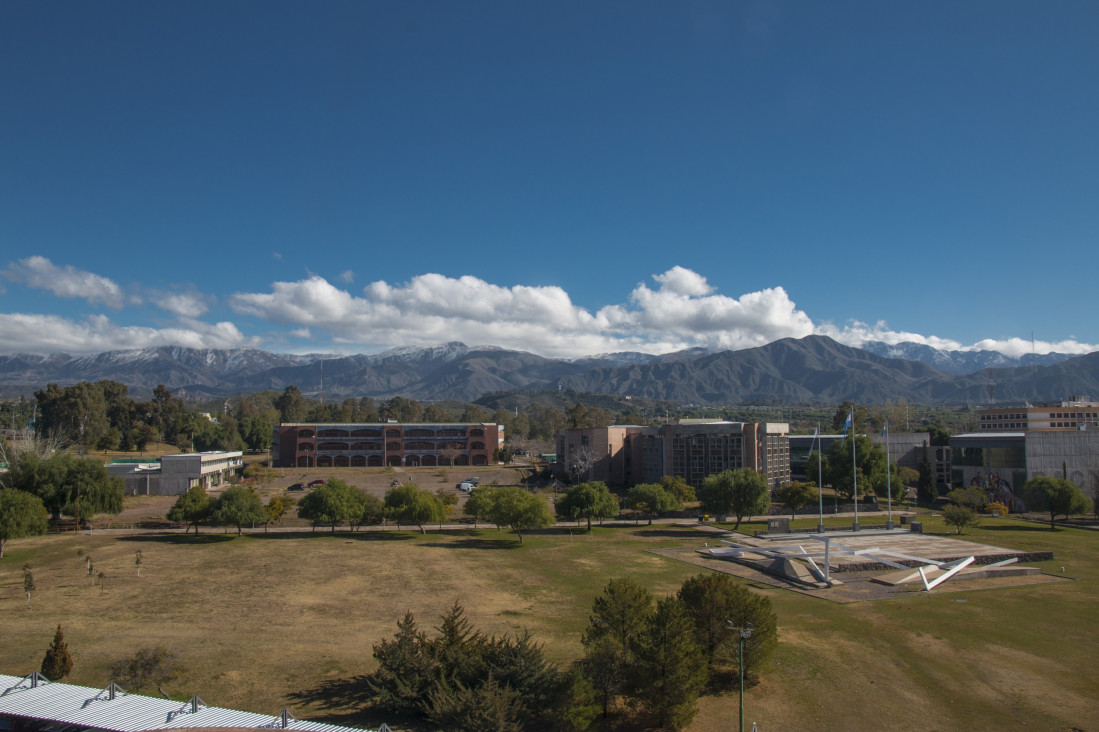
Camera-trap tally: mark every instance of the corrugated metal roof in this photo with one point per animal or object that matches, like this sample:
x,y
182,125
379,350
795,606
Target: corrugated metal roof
x,y
33,697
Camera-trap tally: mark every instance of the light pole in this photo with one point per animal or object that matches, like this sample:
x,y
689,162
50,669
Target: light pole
x,y
744,634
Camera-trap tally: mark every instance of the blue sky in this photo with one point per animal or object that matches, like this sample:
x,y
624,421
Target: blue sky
x,y
562,177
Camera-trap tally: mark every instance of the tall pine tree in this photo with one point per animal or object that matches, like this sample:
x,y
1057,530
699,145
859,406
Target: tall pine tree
x,y
671,668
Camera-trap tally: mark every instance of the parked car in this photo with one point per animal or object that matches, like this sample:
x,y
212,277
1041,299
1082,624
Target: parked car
x,y
296,487
318,481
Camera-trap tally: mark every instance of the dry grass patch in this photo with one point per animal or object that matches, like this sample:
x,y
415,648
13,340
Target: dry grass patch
x,y
258,619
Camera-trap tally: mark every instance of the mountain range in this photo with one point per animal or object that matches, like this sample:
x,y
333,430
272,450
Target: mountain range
x,y
805,370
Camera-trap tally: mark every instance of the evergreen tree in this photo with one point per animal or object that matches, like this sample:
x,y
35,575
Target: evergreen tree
x,y
405,669
714,600
618,619
926,487
671,669
58,663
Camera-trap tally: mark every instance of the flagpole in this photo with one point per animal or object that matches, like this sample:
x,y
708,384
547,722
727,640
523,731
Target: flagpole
x,y
820,477
888,484
854,472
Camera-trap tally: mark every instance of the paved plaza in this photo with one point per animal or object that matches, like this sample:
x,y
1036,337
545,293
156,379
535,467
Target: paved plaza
x,y
855,573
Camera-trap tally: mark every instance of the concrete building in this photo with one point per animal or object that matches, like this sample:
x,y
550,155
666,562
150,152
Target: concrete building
x,y
179,473
342,445
1076,413
801,446
624,455
174,475
1002,462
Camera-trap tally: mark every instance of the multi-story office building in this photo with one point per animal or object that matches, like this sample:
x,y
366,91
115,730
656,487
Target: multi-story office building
x,y
1001,462
1077,413
387,443
624,455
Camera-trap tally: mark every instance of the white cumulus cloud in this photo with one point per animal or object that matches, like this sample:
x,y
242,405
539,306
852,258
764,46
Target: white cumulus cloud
x,y
184,304
857,333
33,333
432,308
68,281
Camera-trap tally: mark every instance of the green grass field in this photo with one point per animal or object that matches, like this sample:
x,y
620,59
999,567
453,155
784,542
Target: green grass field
x,y
264,622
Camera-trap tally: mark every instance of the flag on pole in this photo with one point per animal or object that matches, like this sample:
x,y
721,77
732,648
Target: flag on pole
x,y
847,424
885,431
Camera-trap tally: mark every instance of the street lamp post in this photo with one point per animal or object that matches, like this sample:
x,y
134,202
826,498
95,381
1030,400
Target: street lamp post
x,y
744,634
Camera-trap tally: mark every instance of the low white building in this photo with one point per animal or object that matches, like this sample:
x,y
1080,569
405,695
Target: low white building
x,y
174,475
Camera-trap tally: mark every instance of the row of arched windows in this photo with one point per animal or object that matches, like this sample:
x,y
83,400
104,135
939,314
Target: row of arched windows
x,y
375,461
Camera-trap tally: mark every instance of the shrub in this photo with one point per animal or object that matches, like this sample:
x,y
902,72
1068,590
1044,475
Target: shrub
x,y
959,517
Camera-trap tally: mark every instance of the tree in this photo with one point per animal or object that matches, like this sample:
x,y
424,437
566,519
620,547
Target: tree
x,y
671,669
28,583
405,669
141,435
479,503
521,511
861,414
193,507
276,508
257,433
78,411
148,667
21,514
652,500
1056,495
908,476
742,492
795,495
926,487
291,404
463,679
870,466
939,435
448,498
67,485
618,619
332,504
678,487
238,506
373,511
959,516
91,490
401,409
714,600
410,504
434,414
58,663
588,501
581,461
970,497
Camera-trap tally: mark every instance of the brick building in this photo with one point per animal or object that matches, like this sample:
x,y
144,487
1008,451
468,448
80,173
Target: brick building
x,y
624,455
386,443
